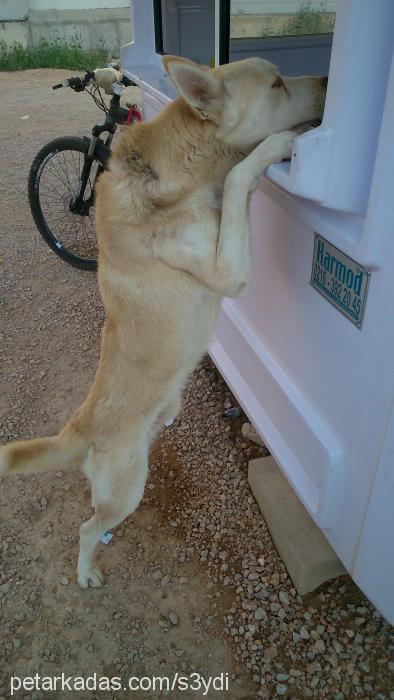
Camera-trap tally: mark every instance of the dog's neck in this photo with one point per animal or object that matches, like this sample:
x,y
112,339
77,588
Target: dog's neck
x,y
180,146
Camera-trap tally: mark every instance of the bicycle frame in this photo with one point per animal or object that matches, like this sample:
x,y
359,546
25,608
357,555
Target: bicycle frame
x,y
116,115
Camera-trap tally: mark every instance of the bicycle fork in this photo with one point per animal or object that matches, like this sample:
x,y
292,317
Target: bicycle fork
x,y
77,204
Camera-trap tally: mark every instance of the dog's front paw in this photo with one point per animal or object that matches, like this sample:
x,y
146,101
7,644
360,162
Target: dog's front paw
x,y
272,150
277,147
90,578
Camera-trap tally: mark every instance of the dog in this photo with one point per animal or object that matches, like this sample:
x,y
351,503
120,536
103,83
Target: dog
x,y
173,235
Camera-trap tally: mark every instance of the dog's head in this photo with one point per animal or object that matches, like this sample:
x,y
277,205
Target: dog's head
x,y
247,100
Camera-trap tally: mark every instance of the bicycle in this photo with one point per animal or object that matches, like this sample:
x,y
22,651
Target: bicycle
x,y
64,173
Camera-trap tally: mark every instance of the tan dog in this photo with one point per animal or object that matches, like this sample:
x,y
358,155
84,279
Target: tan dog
x,y
172,224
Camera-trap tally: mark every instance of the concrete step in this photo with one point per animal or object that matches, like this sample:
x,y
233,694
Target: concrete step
x,y
307,555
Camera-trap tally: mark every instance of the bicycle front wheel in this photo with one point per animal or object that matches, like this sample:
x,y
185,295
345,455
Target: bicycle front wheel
x,y
54,180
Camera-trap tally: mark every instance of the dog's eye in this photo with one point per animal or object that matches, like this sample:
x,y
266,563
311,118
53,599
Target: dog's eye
x,y
278,83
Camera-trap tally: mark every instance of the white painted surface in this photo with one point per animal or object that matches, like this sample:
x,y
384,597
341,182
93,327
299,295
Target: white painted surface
x,y
333,164
319,390
374,565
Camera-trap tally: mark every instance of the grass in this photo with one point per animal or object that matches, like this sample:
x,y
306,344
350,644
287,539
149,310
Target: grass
x,y
310,20
53,53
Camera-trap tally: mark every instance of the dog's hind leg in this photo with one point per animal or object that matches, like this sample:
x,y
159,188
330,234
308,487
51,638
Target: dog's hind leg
x,y
117,479
167,414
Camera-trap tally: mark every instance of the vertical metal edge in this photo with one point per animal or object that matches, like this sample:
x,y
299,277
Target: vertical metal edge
x,y
368,273
224,15
158,25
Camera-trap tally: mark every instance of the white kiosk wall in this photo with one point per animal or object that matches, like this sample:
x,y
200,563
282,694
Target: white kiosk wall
x,y
318,387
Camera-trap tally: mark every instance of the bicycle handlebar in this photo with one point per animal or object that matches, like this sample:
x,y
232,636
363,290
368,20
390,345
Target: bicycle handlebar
x,y
105,78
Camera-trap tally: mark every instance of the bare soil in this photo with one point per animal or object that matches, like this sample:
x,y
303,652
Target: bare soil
x,y
193,581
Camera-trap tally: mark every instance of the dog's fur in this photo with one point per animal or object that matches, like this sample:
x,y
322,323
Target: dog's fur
x,y
172,225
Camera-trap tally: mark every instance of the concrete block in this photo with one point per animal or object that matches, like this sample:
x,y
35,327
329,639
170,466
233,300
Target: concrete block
x,y
307,555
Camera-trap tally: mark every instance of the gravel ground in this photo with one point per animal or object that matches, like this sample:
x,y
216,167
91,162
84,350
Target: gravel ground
x,y
194,582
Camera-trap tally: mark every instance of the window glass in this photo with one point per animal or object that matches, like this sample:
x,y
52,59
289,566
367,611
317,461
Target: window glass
x,y
188,29
266,18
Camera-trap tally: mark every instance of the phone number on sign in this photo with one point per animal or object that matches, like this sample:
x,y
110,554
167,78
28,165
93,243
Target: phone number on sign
x,y
346,297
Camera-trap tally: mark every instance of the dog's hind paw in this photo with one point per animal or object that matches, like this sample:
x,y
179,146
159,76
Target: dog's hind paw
x,y
92,577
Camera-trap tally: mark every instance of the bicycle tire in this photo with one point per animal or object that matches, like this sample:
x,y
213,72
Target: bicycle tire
x,y
72,145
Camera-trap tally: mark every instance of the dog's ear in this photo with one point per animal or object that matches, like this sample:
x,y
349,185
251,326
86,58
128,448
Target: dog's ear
x,y
197,84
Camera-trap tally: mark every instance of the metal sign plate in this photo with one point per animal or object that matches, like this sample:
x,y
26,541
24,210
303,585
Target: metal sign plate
x,y
341,280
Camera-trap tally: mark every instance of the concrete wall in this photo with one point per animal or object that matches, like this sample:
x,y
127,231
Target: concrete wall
x,y
273,7
109,24
11,10
76,4
111,27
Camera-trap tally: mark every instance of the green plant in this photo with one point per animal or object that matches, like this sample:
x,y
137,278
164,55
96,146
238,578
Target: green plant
x,y
310,20
51,53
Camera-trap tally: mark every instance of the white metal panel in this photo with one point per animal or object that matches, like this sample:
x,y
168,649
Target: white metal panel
x,y
334,163
374,565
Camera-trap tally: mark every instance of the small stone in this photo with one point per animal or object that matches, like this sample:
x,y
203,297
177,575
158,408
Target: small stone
x,y
337,646
157,575
234,412
281,689
64,581
363,666
284,598
250,433
304,634
173,618
295,672
117,615
260,614
319,646
262,594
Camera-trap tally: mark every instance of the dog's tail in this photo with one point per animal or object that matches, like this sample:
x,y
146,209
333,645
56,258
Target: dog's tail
x,y
64,451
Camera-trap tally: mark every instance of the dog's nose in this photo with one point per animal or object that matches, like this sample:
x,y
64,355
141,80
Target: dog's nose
x,y
324,82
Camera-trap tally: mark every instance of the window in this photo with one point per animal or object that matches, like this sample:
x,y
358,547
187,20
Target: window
x,y
263,18
186,28
296,35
